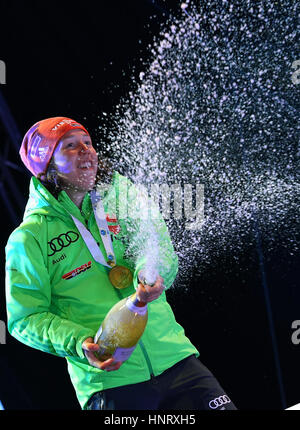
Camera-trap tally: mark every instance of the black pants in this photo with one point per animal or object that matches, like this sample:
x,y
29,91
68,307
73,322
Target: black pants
x,y
188,385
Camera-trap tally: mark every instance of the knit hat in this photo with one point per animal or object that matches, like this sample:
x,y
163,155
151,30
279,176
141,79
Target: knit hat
x,y
41,140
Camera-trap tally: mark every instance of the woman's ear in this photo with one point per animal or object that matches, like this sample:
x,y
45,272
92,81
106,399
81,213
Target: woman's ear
x,y
52,176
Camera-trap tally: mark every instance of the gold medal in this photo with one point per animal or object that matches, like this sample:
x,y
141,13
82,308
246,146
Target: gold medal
x,y
120,276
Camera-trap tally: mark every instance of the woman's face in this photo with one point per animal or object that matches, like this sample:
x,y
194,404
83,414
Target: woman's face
x,y
76,161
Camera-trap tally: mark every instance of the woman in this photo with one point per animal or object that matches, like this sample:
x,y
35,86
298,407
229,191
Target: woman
x,y
59,291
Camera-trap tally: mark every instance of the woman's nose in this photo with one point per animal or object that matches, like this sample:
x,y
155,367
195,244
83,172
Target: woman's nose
x,y
83,147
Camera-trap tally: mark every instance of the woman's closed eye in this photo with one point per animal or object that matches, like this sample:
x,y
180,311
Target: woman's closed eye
x,y
73,144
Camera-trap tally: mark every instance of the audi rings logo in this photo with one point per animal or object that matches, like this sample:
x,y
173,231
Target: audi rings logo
x,y
62,241
219,401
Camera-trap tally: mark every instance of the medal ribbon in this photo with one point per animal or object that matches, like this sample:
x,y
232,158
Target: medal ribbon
x,y
104,232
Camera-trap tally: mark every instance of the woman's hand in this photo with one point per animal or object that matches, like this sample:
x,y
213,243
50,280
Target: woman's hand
x,y
147,293
89,349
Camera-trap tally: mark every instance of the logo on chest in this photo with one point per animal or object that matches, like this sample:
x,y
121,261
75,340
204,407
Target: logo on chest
x,y
57,244
115,227
77,271
57,260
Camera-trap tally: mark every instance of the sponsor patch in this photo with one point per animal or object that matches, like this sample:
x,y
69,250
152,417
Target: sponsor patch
x,y
115,229
56,244
65,121
77,271
111,218
57,260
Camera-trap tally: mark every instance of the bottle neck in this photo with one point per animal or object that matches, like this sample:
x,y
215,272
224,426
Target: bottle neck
x,y
137,302
135,306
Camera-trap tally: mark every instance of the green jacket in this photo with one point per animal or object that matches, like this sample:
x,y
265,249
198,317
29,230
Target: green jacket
x,y
58,295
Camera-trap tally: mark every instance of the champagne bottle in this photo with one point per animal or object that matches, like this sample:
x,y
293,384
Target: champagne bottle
x,y
122,327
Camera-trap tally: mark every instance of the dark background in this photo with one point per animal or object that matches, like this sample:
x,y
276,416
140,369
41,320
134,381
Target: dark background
x,y
77,60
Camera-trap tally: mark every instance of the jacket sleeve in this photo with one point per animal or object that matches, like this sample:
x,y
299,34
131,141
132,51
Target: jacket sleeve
x,y
148,235
28,299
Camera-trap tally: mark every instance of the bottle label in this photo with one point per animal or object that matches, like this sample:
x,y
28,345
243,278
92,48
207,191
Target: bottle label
x,y
136,309
122,354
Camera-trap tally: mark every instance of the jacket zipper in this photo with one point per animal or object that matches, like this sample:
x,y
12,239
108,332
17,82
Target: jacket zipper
x,y
150,368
